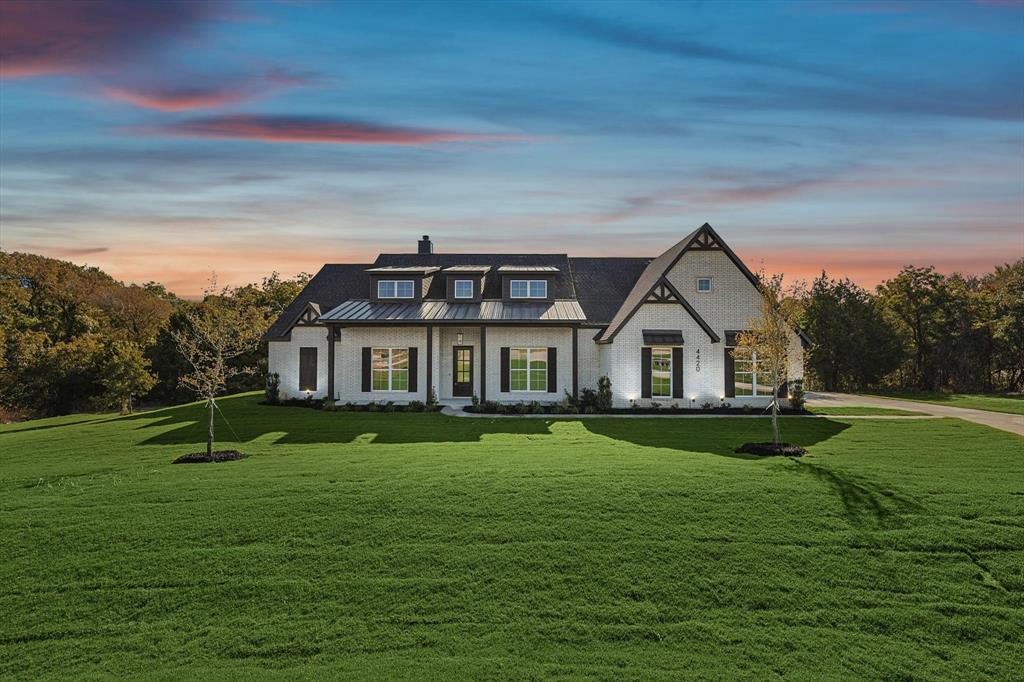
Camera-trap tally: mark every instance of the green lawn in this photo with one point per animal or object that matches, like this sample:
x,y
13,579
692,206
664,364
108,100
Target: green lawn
x,y
405,546
863,411
1003,402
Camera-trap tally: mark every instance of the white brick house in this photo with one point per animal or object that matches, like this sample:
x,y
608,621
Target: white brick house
x,y
522,327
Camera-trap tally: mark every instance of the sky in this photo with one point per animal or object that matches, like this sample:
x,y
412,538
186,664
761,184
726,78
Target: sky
x,y
165,141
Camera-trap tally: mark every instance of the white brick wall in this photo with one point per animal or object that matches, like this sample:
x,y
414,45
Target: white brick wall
x,y
348,362
590,358
283,358
528,337
731,304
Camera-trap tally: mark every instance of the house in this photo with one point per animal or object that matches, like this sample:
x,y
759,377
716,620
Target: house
x,y
523,327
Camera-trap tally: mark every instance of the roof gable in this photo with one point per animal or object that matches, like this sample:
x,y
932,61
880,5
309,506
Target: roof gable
x,y
655,274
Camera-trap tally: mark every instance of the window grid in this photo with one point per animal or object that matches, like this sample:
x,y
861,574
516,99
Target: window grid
x,y
750,380
661,372
463,288
528,369
463,369
392,288
703,284
528,288
390,369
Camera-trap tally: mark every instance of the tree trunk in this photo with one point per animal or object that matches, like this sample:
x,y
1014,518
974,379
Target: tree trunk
x,y
209,435
776,438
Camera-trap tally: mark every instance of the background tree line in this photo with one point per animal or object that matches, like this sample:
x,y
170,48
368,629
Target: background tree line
x,y
73,338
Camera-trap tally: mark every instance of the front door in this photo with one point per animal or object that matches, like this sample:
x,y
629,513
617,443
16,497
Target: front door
x,y
462,372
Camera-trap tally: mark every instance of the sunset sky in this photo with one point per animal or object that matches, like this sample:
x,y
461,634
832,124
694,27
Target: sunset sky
x,y
163,141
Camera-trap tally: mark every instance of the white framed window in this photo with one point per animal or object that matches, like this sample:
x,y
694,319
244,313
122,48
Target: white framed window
x,y
528,288
463,288
390,369
528,369
395,288
750,380
703,285
661,372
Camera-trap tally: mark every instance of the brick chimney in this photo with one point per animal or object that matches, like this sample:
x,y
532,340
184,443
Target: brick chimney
x,y
425,246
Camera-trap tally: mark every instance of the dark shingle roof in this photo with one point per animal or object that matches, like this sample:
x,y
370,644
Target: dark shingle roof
x,y
331,286
561,284
602,284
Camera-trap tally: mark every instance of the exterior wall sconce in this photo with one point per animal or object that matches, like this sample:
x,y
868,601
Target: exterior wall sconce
x,y
458,338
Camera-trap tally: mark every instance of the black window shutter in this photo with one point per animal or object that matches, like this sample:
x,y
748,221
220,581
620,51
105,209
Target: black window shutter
x,y
552,370
307,369
645,372
730,373
367,364
677,372
504,369
413,370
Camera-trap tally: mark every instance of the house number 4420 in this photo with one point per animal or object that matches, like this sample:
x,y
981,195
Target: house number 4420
x,y
697,360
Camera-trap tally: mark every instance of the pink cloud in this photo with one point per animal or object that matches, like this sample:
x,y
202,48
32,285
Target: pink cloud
x,y
179,99
316,130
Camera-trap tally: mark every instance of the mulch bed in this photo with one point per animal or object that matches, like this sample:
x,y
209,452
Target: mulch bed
x,y
218,456
771,449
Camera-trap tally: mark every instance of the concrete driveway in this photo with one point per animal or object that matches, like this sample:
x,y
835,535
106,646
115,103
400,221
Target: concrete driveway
x,y
1014,423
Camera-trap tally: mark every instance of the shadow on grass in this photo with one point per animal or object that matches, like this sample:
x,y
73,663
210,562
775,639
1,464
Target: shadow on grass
x,y
716,436
43,427
864,502
242,419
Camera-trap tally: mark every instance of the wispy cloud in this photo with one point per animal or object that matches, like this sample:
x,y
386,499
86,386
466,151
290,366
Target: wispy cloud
x,y
310,129
72,36
663,42
206,92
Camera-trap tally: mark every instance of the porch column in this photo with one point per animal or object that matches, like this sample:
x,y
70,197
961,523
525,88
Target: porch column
x,y
483,363
330,362
575,362
430,359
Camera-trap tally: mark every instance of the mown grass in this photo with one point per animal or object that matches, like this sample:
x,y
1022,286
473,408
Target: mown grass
x,y
863,411
406,546
1001,402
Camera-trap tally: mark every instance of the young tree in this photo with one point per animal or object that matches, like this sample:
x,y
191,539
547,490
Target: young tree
x,y
211,336
766,341
124,375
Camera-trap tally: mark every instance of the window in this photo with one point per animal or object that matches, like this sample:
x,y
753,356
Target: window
x,y
390,369
307,369
750,380
528,288
463,288
703,284
528,369
390,288
661,372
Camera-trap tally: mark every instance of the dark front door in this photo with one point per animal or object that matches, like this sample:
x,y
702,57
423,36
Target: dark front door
x,y
462,371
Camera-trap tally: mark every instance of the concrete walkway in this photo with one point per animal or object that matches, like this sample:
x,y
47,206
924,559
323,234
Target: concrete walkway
x,y
1014,423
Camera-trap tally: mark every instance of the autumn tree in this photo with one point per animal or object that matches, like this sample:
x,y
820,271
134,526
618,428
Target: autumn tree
x,y
766,341
212,336
124,375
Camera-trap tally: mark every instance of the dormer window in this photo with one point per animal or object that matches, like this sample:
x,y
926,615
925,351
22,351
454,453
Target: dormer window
x,y
528,288
463,288
395,288
703,285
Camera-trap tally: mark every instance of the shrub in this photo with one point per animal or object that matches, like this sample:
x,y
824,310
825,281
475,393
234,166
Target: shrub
x,y
273,388
797,399
416,406
431,397
705,405
589,409
655,405
490,407
748,408
389,406
475,400
603,398
535,407
373,407
520,408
